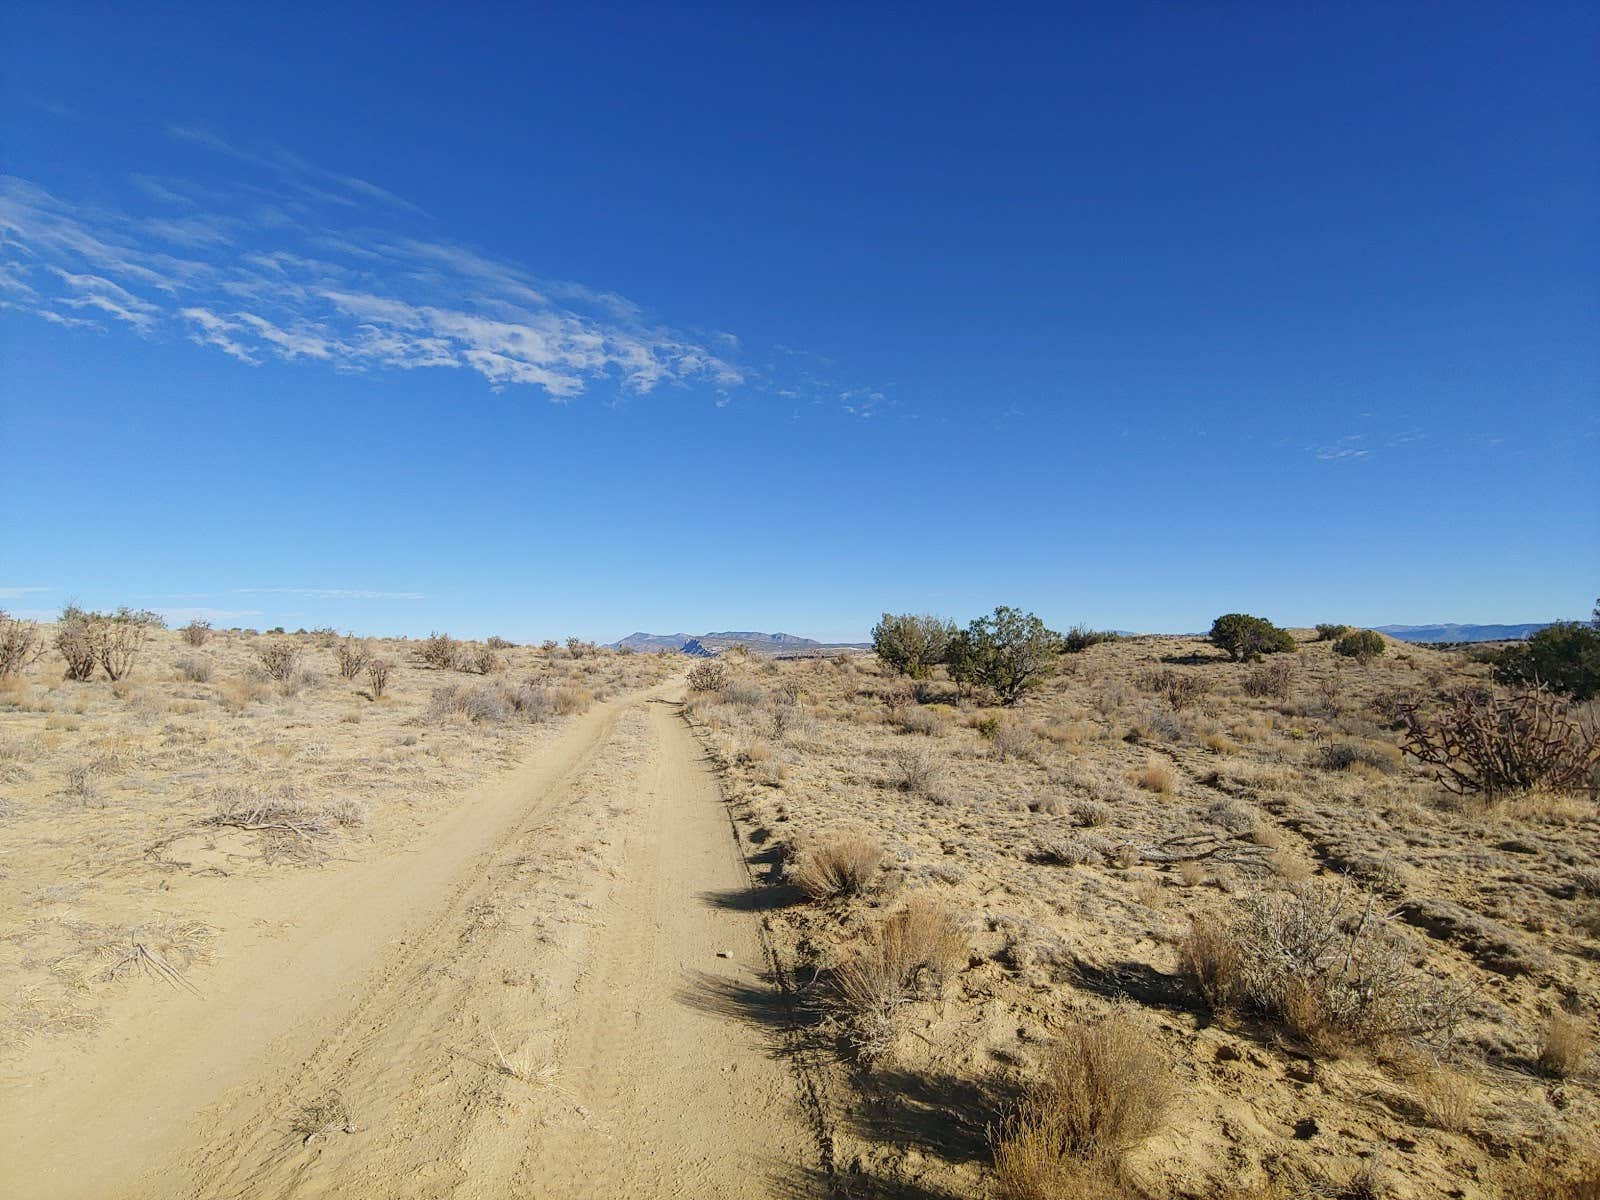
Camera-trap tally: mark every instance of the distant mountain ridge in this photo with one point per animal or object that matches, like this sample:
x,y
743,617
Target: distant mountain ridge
x,y
1462,633
705,644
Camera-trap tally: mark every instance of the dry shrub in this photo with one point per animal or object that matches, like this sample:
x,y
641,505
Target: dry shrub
x,y
1274,681
1105,1089
440,651
755,752
499,643
1342,756
1013,739
1072,851
196,632
915,719
353,654
568,700
1565,1047
1155,776
482,660
845,864
20,645
1092,813
279,659
195,668
1322,961
1180,689
1220,744
1495,743
916,769
476,703
76,647
709,676
908,954
378,670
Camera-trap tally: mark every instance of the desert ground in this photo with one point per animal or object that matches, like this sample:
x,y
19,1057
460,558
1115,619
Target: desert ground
x,y
560,921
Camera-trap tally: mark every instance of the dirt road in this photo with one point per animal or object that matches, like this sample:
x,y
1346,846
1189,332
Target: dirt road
x,y
551,997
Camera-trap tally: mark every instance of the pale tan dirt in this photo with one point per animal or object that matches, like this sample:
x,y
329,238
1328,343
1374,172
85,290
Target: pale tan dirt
x,y
530,1000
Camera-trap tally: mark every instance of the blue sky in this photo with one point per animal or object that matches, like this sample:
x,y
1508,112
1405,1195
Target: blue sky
x,y
682,319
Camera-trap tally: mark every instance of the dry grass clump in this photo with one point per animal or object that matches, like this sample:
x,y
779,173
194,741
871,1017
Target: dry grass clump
x,y
1105,1088
1092,813
1155,776
195,668
916,769
498,702
291,828
913,718
908,954
1212,958
1565,1046
1342,756
1553,1179
845,864
1447,1099
238,694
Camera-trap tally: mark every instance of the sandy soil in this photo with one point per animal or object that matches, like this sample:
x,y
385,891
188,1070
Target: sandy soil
x,y
538,993
1074,839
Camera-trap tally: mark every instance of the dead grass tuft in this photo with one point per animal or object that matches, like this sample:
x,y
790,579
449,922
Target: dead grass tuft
x,y
908,954
1565,1046
1105,1089
846,864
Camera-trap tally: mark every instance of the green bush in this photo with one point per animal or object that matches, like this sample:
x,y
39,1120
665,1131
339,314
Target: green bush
x,y
1247,638
1009,652
1327,633
1564,657
911,643
1080,637
1362,644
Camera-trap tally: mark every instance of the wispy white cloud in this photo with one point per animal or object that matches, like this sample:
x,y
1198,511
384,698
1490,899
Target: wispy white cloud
x,y
17,593
275,266
214,615
331,593
1343,450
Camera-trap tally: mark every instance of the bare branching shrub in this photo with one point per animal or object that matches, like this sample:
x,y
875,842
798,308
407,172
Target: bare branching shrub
x,y
1565,1047
440,651
20,645
912,718
908,954
378,670
483,660
1013,739
1274,681
197,632
1180,689
1104,1090
709,676
279,659
1496,743
916,769
76,646
845,864
118,641
499,643
353,654
1323,961
195,668
579,648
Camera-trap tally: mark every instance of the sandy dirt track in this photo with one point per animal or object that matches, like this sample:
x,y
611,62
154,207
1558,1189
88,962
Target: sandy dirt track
x,y
551,996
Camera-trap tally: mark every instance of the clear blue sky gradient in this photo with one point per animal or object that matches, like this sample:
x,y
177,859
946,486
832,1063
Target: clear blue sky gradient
x,y
647,317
